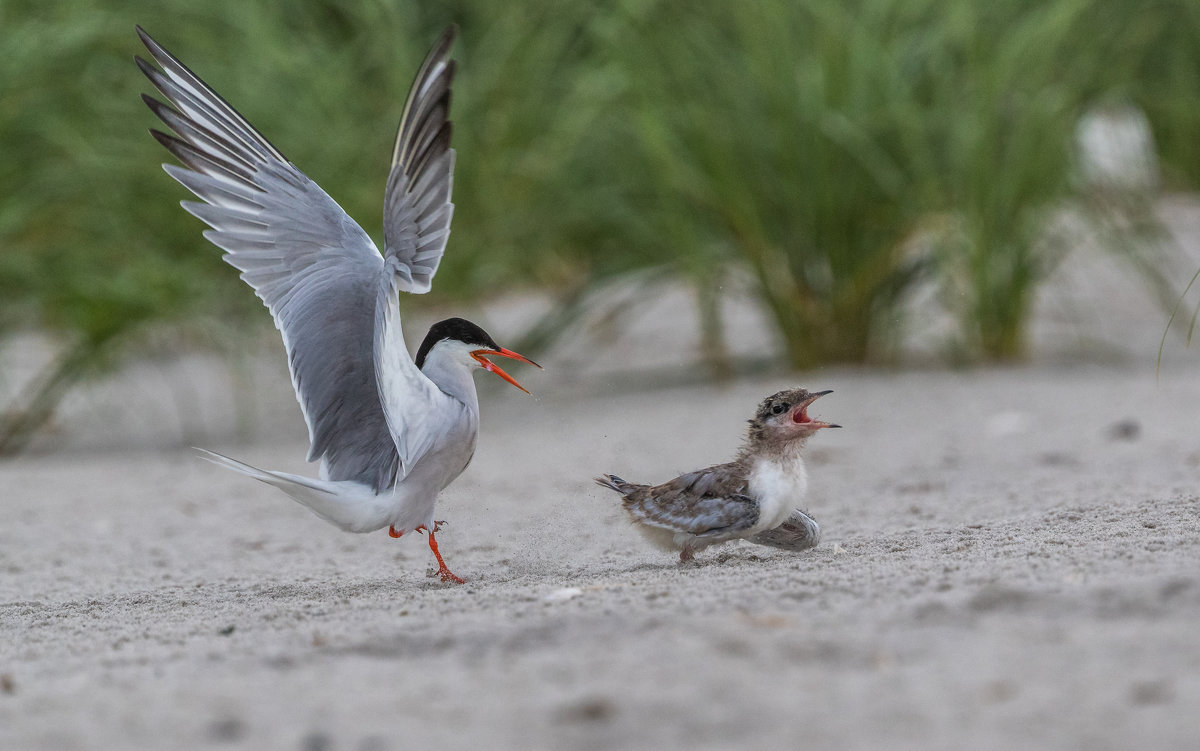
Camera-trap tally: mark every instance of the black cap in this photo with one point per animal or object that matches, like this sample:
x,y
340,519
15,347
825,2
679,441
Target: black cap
x,y
456,329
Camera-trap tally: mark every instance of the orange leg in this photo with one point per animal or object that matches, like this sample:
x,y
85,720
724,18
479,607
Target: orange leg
x,y
443,571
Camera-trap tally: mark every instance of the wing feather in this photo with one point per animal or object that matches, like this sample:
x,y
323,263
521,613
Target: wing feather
x,y
798,532
706,503
711,516
417,205
317,271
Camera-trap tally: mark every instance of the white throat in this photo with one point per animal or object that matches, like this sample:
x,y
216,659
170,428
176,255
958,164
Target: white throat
x,y
449,365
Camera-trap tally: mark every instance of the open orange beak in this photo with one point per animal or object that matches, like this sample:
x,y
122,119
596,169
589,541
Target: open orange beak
x,y
494,368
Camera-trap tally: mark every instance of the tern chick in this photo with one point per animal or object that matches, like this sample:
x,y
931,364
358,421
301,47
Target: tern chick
x,y
753,498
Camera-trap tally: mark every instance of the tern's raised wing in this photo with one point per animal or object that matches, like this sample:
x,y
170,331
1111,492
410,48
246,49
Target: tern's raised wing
x,y
316,270
706,502
416,226
417,208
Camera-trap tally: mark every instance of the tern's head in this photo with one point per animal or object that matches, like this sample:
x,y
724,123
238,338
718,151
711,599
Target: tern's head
x,y
783,417
459,340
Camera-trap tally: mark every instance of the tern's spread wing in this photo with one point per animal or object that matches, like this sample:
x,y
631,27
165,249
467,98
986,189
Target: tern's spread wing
x,y
416,225
708,502
417,208
315,269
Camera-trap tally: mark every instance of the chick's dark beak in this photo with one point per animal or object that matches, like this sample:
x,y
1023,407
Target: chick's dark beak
x,y
491,367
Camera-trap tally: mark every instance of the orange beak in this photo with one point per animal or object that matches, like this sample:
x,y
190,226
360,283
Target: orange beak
x,y
493,368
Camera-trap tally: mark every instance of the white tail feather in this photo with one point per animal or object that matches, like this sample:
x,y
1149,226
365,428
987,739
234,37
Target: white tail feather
x,y
351,506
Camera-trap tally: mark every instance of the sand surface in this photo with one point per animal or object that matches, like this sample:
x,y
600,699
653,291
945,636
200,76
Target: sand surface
x,y
1011,559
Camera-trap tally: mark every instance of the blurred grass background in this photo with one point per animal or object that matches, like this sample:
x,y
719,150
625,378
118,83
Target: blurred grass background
x,y
835,153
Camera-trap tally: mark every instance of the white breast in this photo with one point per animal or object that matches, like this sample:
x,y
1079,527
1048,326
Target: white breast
x,y
779,487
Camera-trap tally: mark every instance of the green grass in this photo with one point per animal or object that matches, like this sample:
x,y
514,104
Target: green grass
x,y
768,139
837,152
842,151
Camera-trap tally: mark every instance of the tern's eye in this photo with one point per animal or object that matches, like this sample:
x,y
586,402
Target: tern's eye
x,y
778,409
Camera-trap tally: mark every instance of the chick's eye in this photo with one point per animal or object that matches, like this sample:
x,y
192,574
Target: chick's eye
x,y
778,409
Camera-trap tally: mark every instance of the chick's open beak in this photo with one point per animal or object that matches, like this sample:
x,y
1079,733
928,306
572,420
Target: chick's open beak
x,y
494,368
800,414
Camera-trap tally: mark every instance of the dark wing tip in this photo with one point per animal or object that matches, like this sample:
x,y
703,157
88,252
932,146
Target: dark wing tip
x,y
154,104
145,66
156,49
165,139
449,34
439,51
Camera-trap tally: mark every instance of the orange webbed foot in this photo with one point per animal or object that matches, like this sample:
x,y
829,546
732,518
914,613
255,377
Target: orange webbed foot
x,y
444,571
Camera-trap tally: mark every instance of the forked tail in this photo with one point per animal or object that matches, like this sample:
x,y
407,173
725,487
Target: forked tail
x,y
348,505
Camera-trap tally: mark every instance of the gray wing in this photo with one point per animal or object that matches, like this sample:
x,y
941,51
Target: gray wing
x,y
799,532
317,271
416,225
417,208
706,503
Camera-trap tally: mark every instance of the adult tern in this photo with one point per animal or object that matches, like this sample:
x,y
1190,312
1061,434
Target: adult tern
x,y
390,432
753,497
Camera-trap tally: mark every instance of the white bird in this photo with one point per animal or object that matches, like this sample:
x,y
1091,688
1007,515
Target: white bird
x,y
752,498
390,432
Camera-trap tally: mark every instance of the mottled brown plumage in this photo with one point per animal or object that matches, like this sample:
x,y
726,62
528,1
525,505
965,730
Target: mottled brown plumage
x,y
752,497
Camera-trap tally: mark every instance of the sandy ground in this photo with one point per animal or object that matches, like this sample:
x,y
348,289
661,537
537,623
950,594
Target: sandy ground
x,y
1010,559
